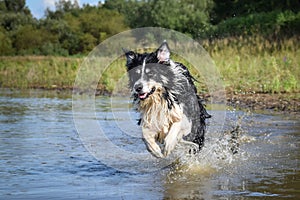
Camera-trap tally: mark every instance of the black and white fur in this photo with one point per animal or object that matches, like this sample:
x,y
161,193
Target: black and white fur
x,y
167,100
162,56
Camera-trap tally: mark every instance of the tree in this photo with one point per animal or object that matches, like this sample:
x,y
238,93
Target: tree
x,y
225,9
6,47
79,30
61,8
87,43
17,6
100,20
29,40
187,16
66,6
12,21
3,8
137,13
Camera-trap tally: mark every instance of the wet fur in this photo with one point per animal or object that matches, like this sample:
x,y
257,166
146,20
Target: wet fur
x,y
157,119
170,114
134,59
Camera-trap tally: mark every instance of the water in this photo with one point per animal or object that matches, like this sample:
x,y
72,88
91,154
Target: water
x,y
42,156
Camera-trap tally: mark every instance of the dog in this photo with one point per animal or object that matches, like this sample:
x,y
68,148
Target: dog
x,y
166,97
162,56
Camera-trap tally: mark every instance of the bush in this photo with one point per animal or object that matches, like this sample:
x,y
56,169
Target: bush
x,y
275,23
6,47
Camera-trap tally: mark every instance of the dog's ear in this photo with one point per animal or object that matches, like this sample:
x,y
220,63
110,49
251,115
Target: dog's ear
x,y
130,55
125,50
131,58
163,52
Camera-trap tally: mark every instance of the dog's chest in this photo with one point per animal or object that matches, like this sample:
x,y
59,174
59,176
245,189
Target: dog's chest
x,y
158,116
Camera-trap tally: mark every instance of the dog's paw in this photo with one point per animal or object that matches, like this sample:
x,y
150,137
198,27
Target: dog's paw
x,y
170,143
157,154
155,150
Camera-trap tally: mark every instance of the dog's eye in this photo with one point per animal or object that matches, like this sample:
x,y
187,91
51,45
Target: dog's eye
x,y
138,71
131,55
147,70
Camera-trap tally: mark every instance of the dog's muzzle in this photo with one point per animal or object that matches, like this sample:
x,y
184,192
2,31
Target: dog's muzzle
x,y
143,95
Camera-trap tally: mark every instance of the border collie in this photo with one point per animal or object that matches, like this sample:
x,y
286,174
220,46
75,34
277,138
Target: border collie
x,y
166,97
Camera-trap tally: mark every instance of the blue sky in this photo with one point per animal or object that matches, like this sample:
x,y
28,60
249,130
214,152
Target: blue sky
x,y
38,7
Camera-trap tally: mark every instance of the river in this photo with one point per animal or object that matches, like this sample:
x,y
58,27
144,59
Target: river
x,y
43,155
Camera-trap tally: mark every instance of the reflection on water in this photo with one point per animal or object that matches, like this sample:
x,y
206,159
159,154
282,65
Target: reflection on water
x,y
41,156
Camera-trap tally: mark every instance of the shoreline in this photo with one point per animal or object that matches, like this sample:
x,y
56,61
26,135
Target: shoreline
x,y
276,102
282,103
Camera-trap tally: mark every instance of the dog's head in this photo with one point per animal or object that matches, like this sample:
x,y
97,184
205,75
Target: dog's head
x,y
146,79
146,71
160,55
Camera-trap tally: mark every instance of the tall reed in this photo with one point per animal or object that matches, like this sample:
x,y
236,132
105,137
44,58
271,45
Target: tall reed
x,y
246,64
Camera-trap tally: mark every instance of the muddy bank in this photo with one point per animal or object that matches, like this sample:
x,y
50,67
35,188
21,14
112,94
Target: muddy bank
x,y
285,102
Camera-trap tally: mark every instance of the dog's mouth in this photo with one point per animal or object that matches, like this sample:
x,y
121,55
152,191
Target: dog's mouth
x,y
145,95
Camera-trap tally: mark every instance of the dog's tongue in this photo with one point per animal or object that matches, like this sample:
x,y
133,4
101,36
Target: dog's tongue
x,y
143,96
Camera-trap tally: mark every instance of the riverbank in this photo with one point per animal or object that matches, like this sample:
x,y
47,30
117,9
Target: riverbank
x,y
264,76
285,102
258,102
247,65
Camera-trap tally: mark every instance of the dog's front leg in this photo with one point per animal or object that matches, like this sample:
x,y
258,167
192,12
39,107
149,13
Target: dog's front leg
x,y
172,137
149,139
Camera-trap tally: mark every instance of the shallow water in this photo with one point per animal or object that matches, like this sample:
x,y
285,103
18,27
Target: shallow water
x,y
42,155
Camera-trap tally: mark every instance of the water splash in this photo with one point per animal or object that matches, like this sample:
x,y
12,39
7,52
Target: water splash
x,y
218,153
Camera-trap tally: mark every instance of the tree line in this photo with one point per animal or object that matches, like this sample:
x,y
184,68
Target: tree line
x,y
73,30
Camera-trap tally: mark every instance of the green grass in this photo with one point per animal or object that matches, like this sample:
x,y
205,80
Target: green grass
x,y
38,72
257,65
245,65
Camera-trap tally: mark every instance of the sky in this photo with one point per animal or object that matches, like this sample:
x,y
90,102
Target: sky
x,y
38,7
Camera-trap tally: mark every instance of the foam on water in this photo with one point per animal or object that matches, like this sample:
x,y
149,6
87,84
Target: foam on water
x,y
217,154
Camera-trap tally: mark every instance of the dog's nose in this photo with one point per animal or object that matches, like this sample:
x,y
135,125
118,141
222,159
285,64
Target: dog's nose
x,y
138,87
